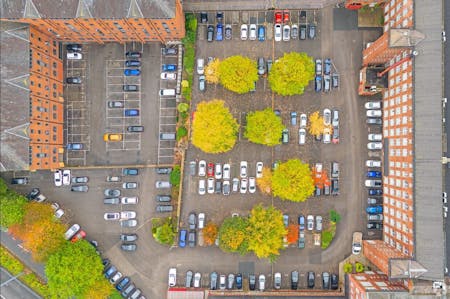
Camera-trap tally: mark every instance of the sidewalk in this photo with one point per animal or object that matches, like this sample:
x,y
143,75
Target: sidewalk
x,y
216,5
14,247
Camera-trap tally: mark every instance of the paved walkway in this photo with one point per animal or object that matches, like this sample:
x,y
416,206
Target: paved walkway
x,y
14,247
208,5
13,288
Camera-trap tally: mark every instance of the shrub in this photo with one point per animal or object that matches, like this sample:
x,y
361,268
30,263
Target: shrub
x,y
183,107
348,268
175,176
335,216
359,267
163,230
181,132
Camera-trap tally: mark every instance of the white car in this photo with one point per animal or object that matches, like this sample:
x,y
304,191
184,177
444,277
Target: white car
x,y
116,277
277,30
319,223
310,222
172,277
326,117
201,187
375,137
373,105
374,145
58,211
262,282
168,76
243,169
200,66
129,200
202,168
326,135
251,185
74,56
197,278
72,231
210,185
125,215
66,177
244,183
201,220
286,33
374,113
244,32
111,216
218,171
303,120
58,178
226,171
252,34
301,136
235,186
373,163
259,169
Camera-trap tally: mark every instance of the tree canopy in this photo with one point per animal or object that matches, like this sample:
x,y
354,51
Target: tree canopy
x,y
212,71
74,270
316,124
238,74
210,232
265,231
264,127
265,182
214,129
163,231
12,206
291,73
233,235
292,180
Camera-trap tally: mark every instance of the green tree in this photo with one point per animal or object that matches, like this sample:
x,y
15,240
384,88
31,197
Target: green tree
x,y
291,74
73,270
238,74
264,127
233,235
348,268
181,132
359,267
163,231
265,231
214,129
12,206
335,216
175,175
183,107
292,180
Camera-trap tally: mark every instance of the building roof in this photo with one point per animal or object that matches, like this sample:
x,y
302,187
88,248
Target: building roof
x,y
427,101
14,96
103,9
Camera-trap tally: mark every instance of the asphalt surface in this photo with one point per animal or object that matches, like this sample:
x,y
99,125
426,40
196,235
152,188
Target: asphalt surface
x,y
14,289
446,78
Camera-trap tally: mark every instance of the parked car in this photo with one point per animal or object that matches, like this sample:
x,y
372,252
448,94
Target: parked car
x,y
243,169
210,33
334,187
163,198
128,290
335,80
20,181
286,33
210,170
213,280
112,192
374,121
251,282
375,137
302,32
373,163
210,186
318,83
319,223
73,80
327,66
374,209
310,279
301,222
373,174
169,51
71,231
277,280
310,222
75,146
327,135
128,237
251,185
162,184
74,56
312,31
129,200
130,171
318,67
128,246
230,283
301,239
192,236
235,186
326,83
122,283
252,32
110,271
202,187
222,282
164,208
218,171
293,118
374,225
373,105
325,280
111,201
131,112
261,66
192,221
244,32
374,145
168,76
132,72
285,136
334,282
277,32
202,83
294,31
169,67
132,63
182,238
294,280
202,168
261,33
375,217
228,32
259,169
269,65
130,185
130,54
278,17
111,216
33,193
74,48
244,185
128,223
79,188
262,282
374,113
375,192
372,201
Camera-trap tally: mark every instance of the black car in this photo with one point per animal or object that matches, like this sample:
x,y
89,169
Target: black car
x,y
163,170
335,187
311,278
191,238
252,282
294,280
133,54
19,181
135,129
203,17
218,188
130,63
73,80
219,17
128,237
33,193
192,220
334,281
239,281
374,225
74,48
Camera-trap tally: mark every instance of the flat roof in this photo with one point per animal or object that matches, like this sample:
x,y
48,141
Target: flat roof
x,y
14,96
427,108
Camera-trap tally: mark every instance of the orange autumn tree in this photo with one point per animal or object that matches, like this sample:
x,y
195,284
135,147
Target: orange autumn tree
x,y
292,235
210,232
265,182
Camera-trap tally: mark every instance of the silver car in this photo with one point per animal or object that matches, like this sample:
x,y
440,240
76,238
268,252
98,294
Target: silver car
x,y
162,184
128,223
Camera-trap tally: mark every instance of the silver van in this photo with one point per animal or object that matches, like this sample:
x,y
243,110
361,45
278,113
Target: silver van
x,y
167,136
334,169
167,92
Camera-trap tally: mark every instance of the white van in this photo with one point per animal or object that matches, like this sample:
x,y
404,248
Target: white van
x,y
200,66
166,92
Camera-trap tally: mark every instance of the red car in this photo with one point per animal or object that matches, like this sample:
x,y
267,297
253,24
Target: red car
x,y
210,171
80,235
286,16
278,17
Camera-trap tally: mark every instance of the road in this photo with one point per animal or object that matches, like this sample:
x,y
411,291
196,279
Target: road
x,y
446,94
14,289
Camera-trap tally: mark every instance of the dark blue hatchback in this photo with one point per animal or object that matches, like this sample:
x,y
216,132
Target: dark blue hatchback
x,y
131,112
219,32
123,283
375,192
374,174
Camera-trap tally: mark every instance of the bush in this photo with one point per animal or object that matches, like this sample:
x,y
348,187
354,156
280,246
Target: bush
x,y
183,107
181,132
335,216
328,235
359,267
348,268
9,262
163,230
175,176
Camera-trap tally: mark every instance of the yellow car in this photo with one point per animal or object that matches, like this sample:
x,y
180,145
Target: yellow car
x,y
112,137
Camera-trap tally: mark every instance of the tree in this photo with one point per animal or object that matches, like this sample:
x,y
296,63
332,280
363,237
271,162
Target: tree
x,y
359,267
265,231
183,107
212,71
316,125
291,73
73,270
264,127
348,268
292,180
265,182
175,176
163,231
214,129
100,290
292,233
33,212
233,235
12,206
238,74
335,216
210,232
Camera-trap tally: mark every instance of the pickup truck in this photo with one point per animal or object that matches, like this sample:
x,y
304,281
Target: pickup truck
x,y
357,243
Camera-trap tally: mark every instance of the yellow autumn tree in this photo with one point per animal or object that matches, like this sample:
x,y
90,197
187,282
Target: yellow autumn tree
x,y
265,182
210,232
233,235
292,180
316,124
238,74
212,71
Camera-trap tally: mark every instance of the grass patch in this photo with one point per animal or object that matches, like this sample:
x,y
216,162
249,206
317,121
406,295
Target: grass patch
x,y
15,266
189,54
328,235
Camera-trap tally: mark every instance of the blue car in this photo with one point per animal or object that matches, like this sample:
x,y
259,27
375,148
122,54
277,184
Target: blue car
x,y
131,112
131,72
374,210
182,239
261,33
375,192
110,271
75,146
318,83
239,281
301,222
123,283
130,171
374,174
169,67
219,32
327,66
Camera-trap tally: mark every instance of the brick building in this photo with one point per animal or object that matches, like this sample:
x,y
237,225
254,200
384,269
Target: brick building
x,y
32,97
397,65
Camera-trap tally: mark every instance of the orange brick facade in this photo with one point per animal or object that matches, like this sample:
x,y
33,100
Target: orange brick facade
x,y
369,281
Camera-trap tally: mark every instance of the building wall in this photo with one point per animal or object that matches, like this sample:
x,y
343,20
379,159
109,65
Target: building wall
x,y
398,14
379,253
362,284
46,102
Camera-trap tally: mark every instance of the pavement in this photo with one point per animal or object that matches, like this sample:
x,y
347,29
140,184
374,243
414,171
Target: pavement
x,y
215,5
446,92
14,288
